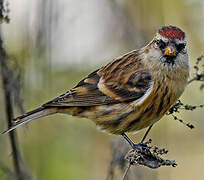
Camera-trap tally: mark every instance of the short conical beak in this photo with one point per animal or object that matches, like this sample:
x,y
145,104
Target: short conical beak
x,y
170,51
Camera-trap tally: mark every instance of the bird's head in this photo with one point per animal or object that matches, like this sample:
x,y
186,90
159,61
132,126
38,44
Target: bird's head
x,y
168,47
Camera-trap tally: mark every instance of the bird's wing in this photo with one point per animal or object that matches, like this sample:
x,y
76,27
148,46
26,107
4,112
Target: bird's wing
x,y
122,80
85,93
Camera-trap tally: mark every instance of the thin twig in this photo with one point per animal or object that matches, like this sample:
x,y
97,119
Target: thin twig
x,y
119,149
20,171
9,109
11,88
126,172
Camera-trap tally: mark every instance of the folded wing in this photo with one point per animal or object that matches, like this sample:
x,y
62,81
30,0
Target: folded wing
x,y
122,80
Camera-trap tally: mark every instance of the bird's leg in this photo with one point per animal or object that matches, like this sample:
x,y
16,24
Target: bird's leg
x,y
146,133
141,146
132,144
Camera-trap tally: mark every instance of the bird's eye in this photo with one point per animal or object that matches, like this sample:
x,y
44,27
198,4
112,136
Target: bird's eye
x,y
161,44
180,47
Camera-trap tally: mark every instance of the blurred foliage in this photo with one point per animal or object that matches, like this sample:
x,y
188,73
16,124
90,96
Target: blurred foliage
x,y
59,42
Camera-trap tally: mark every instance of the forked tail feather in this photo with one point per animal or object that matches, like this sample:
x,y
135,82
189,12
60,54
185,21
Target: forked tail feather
x,y
30,116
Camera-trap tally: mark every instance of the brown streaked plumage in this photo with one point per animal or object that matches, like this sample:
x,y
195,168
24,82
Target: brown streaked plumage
x,y
129,93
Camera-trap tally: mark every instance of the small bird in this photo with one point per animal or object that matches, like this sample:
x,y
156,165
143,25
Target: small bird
x,y
131,92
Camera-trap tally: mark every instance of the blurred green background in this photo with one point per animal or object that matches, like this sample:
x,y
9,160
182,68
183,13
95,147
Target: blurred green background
x,y
56,43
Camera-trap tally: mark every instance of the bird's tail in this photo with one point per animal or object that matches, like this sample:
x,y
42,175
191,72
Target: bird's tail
x,y
30,116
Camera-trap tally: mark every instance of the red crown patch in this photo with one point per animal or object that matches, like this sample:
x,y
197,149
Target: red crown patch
x,y
172,32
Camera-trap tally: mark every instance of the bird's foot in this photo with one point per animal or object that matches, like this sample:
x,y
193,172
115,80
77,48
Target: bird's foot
x,y
141,147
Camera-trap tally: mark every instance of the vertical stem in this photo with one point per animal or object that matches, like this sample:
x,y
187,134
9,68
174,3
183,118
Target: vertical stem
x,y
6,78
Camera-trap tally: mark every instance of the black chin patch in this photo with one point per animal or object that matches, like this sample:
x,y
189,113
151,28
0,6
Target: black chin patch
x,y
170,59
